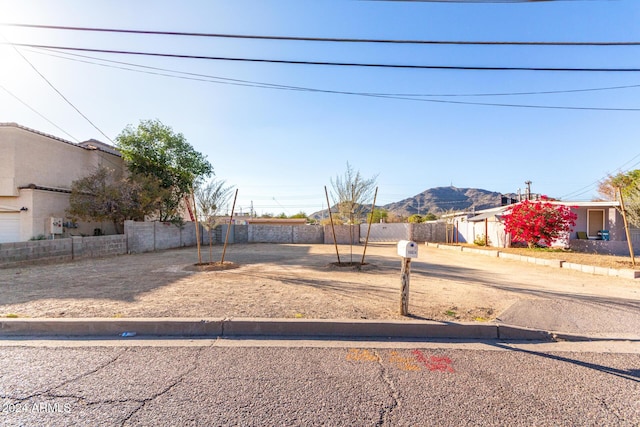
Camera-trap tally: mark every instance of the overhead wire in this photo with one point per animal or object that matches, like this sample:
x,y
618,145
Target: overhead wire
x,y
38,113
374,95
328,63
55,88
589,187
324,39
302,88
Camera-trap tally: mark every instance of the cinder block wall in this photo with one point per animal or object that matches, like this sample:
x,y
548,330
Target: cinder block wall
x,y
270,233
241,234
308,234
98,246
19,253
140,236
433,232
59,250
342,234
167,236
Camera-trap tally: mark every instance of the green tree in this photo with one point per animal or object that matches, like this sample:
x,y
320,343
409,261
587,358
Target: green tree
x,y
429,217
299,215
102,196
155,150
379,215
415,219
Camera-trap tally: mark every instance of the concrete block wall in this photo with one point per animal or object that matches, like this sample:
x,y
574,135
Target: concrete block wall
x,y
434,232
188,234
99,246
241,234
19,253
270,233
342,234
140,236
308,234
153,236
59,250
167,236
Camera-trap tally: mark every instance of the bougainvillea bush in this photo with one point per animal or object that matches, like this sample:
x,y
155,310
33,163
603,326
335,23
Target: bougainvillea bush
x,y
538,222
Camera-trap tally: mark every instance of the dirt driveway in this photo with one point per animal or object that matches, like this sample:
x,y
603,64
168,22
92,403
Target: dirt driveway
x,y
298,281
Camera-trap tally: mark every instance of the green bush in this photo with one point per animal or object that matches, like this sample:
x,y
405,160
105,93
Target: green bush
x,y
481,240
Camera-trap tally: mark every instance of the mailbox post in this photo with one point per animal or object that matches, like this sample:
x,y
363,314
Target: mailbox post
x,y
407,250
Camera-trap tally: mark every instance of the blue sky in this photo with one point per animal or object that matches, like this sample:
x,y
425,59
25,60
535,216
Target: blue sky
x,y
280,148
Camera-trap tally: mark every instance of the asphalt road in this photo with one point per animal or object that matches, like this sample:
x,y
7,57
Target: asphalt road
x,y
218,382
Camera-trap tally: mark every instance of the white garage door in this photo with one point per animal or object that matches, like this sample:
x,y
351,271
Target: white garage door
x,y
9,227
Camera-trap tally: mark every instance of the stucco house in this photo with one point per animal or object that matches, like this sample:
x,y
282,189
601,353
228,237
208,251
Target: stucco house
x,y
587,235
36,172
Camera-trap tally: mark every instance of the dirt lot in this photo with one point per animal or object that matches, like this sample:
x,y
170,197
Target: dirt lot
x,y
293,281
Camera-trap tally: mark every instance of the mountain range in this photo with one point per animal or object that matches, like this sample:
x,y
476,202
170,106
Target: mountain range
x,y
440,200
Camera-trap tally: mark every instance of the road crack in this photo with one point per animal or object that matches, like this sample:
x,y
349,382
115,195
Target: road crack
x,y
387,410
48,392
180,379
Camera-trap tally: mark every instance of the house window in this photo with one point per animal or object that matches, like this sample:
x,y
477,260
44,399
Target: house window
x,y
595,222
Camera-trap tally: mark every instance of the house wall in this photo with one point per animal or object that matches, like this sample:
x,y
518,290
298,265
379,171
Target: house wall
x,y
43,205
612,218
27,157
8,185
50,162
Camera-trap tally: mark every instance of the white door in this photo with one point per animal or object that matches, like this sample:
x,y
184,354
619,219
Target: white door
x,y
9,227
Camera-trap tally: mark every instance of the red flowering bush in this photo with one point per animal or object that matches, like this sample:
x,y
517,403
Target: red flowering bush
x,y
536,222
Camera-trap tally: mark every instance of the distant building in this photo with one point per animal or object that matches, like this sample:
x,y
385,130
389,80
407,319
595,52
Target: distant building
x,y
599,227
36,172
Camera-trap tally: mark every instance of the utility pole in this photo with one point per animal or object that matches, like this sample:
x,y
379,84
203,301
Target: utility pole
x,y
528,183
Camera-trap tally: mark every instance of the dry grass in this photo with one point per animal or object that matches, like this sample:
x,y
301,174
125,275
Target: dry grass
x,y
610,261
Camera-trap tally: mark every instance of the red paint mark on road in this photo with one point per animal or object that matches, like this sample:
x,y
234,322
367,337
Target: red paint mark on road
x,y
434,363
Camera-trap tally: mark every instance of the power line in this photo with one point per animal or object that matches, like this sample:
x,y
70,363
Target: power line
x,y
240,82
326,63
56,89
246,83
38,113
592,186
324,39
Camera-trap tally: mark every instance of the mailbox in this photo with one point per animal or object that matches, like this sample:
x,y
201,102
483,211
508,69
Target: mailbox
x,y
407,249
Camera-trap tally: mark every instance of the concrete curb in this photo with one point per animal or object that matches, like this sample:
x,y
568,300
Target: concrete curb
x,y
241,327
624,273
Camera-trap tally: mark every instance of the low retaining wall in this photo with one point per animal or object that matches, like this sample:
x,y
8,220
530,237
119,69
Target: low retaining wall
x,y
67,249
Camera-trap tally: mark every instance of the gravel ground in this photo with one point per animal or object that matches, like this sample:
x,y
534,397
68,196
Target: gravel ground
x,y
299,281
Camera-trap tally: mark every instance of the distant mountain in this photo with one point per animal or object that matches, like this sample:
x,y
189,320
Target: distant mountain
x,y
440,200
